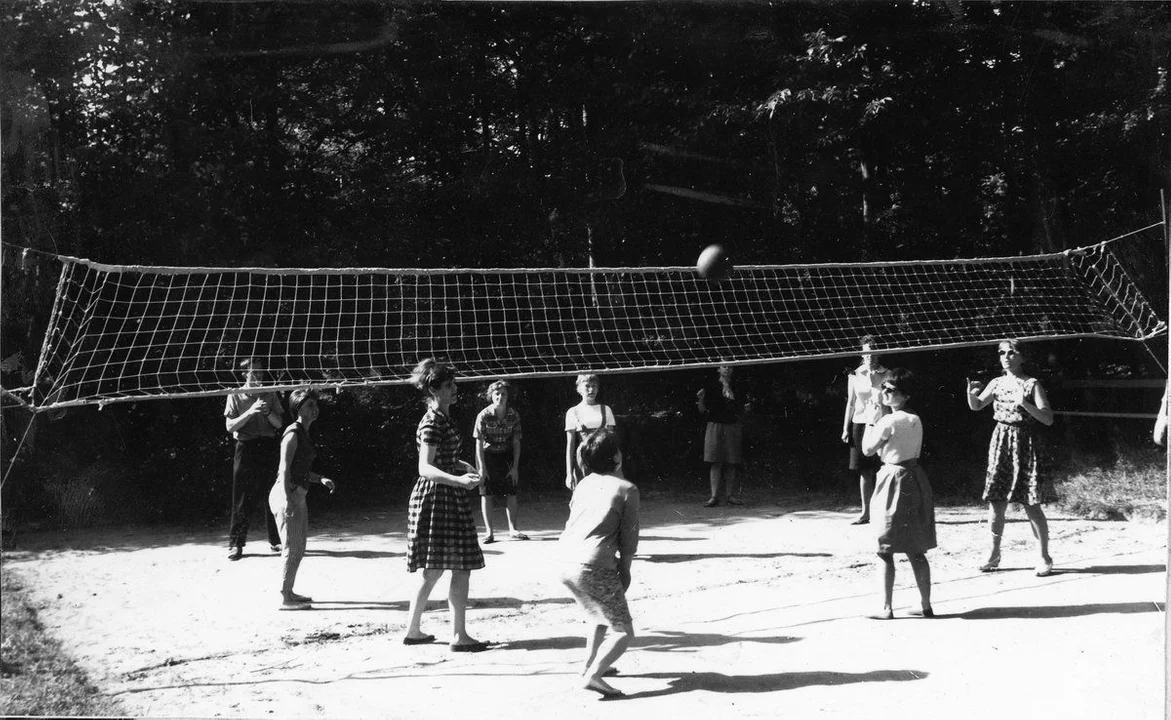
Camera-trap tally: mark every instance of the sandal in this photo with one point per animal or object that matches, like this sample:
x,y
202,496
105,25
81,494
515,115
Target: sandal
x,y
489,540
518,536
992,565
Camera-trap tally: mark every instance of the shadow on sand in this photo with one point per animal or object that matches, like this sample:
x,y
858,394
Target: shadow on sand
x,y
1058,611
659,642
770,682
685,557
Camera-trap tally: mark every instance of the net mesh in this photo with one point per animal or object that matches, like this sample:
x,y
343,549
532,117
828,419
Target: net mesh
x,y
122,333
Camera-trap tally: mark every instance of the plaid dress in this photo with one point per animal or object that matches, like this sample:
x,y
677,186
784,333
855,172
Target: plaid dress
x,y
441,533
1012,453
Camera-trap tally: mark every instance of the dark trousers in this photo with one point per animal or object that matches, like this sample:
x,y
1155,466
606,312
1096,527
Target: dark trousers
x,y
253,473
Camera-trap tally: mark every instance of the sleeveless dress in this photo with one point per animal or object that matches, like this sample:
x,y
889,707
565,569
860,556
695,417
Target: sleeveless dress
x,y
441,532
1012,453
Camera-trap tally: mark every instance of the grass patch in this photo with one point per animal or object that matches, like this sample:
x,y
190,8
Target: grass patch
x,y
1130,489
36,676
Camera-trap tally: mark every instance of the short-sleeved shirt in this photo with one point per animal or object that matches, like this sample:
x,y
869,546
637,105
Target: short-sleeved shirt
x,y
867,394
603,522
437,430
1007,392
257,426
902,436
497,433
582,417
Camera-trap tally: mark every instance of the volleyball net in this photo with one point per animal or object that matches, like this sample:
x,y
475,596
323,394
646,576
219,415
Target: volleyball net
x,y
127,333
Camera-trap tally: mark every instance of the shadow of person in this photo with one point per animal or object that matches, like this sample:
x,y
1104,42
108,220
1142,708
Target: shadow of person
x,y
1113,570
672,641
1059,611
361,554
655,642
769,682
686,557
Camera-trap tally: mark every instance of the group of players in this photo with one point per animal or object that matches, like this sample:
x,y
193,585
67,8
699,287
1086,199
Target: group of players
x,y
597,547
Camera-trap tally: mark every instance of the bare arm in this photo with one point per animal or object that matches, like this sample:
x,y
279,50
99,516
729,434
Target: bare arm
x,y
849,407
874,438
285,471
233,424
628,537
570,441
1039,407
428,470
978,398
514,471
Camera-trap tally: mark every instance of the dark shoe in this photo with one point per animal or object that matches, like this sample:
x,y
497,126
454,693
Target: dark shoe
x,y
275,547
733,501
299,598
712,502
927,613
489,540
421,640
470,647
236,552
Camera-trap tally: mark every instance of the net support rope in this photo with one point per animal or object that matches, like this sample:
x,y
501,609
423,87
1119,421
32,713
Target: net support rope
x,y
127,333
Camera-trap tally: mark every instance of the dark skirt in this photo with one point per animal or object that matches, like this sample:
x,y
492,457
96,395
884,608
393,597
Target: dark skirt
x,y
903,509
441,533
722,443
859,461
495,480
1012,467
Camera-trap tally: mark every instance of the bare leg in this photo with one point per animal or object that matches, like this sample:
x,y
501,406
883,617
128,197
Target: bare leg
x,y
865,490
715,474
922,570
996,512
419,601
731,487
457,603
1040,528
608,653
510,512
886,573
592,643
486,504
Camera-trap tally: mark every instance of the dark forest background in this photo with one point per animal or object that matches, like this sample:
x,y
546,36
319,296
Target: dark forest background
x,y
347,133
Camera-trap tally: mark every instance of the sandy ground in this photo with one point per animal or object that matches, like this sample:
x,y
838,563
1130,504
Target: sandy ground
x,y
755,611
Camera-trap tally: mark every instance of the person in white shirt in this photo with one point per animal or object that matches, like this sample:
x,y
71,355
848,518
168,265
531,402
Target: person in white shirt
x,y
863,406
596,551
580,420
902,505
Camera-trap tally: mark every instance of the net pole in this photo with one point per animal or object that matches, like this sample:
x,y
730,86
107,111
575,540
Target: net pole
x,y
1166,400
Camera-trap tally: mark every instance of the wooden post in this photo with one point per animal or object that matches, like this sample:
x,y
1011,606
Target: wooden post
x,y
1167,472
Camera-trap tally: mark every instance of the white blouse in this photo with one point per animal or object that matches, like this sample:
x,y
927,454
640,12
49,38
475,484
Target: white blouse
x,y
895,438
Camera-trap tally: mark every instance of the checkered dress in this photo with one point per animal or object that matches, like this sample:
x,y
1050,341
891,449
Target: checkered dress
x,y
441,533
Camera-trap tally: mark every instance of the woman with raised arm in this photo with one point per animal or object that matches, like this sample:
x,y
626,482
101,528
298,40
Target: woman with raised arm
x,y
863,407
497,434
1018,403
580,420
441,532
902,506
723,407
286,500
597,549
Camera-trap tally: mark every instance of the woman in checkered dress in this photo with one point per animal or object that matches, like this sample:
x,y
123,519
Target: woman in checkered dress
x,y
1018,403
441,533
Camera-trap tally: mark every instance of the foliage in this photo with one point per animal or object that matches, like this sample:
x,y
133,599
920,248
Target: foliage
x,y
487,135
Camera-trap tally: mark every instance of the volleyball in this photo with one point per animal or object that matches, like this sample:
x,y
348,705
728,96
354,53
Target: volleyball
x,y
713,263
